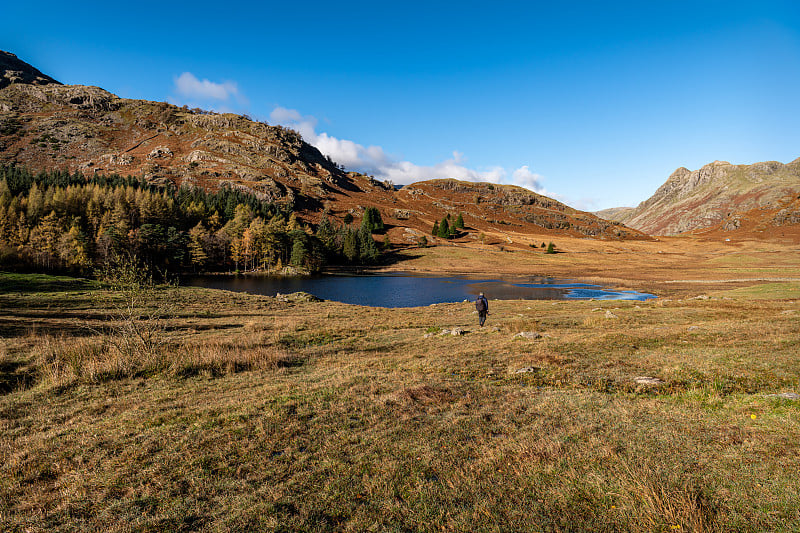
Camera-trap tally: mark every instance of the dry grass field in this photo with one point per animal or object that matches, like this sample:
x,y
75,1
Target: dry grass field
x,y
251,413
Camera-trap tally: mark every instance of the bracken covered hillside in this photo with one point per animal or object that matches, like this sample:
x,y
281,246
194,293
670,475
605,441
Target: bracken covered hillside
x,y
46,125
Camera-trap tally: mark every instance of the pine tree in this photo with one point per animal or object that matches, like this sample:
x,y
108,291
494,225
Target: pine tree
x,y
372,220
367,251
551,248
350,246
444,229
459,222
299,253
435,230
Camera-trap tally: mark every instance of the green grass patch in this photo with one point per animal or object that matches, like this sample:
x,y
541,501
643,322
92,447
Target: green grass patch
x,y
28,283
764,291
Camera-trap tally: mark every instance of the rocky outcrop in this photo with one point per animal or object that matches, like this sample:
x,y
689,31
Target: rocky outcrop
x,y
712,195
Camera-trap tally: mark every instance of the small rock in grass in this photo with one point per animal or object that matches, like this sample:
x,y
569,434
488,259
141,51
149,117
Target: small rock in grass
x,y
693,328
528,335
527,370
609,314
785,396
597,309
647,380
457,331
788,312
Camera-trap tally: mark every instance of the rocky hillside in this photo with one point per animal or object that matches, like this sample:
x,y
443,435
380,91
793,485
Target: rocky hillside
x,y
14,70
46,125
718,193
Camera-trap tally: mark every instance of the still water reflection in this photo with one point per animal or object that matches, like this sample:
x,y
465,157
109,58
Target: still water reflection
x,y
410,290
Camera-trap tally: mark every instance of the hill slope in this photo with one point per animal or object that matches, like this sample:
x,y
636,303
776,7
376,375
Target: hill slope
x,y
46,125
693,200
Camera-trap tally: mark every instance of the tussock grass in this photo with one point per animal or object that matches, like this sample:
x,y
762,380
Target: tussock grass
x,y
256,414
60,361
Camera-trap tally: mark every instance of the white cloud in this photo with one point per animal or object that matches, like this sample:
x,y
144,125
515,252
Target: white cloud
x,y
375,161
223,97
187,85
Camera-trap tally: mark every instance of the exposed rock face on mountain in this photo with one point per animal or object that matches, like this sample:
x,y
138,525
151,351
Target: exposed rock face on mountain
x,y
14,70
46,125
704,198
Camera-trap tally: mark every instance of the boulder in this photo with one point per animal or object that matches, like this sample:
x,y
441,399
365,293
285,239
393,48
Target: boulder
x,y
530,335
160,152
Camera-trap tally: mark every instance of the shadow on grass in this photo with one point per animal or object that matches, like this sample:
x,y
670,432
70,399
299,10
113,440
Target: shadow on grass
x,y
14,375
31,283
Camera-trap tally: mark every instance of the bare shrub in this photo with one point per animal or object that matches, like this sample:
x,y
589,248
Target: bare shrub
x,y
139,308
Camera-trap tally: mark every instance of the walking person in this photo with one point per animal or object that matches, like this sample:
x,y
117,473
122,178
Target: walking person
x,y
482,305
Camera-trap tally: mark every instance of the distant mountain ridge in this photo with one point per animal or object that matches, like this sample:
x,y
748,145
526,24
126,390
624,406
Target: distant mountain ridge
x,y
46,125
703,198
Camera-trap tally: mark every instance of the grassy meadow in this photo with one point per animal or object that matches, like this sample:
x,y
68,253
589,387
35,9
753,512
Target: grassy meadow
x,y
239,412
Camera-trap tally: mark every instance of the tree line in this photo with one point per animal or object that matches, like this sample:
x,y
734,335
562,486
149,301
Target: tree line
x,y
60,221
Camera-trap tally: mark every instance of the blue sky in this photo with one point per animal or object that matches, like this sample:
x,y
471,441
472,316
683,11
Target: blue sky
x,y
594,103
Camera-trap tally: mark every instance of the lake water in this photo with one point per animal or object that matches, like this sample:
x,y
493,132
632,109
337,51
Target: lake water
x,y
411,290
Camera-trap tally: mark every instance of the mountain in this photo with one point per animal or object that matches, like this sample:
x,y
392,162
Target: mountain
x,y
14,70
46,125
716,193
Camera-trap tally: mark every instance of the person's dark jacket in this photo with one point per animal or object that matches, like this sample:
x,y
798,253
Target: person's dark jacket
x,y
482,304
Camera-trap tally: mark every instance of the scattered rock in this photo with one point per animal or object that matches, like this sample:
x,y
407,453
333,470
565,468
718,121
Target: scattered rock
x,y
298,297
647,380
528,370
785,396
609,314
159,152
701,297
117,159
597,309
693,328
457,331
528,335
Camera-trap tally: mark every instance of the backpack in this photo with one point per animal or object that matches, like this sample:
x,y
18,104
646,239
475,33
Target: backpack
x,y
480,304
